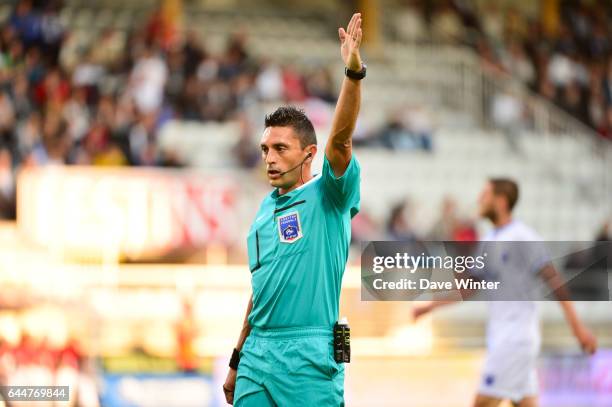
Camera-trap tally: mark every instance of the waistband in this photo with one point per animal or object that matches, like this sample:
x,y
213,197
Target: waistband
x,y
293,332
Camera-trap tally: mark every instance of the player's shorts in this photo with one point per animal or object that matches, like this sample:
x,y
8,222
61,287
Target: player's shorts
x,y
510,373
289,367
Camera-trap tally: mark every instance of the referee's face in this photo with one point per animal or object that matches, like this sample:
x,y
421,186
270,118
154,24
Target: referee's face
x,y
281,151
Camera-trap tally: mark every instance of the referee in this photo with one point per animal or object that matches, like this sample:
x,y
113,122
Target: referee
x,y
298,247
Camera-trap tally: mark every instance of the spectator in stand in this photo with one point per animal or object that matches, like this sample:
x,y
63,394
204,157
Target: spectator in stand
x,y
88,75
26,22
408,22
141,141
444,228
407,128
176,59
52,32
319,85
269,82
63,101
364,228
507,114
607,82
605,129
29,134
7,186
246,151
398,224
516,62
236,58
446,25
54,145
147,81
7,120
450,227
605,232
194,52
108,50
293,84
558,53
596,103
420,124
465,231
492,22
77,114
53,90
20,96
572,101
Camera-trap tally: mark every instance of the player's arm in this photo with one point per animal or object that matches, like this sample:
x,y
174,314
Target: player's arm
x,y
587,340
422,309
444,300
339,145
230,381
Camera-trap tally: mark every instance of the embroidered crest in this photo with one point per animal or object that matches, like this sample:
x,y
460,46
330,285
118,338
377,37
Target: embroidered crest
x,y
289,227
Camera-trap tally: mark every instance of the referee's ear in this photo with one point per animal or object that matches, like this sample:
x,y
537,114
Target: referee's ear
x,y
311,151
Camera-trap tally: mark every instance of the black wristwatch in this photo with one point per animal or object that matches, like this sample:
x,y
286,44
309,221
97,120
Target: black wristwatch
x,y
357,75
235,360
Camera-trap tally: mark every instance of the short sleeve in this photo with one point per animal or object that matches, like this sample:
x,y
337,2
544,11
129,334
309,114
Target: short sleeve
x,y
538,256
534,250
343,191
479,251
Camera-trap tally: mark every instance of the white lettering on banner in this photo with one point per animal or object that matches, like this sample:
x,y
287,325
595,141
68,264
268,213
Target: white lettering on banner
x,y
133,210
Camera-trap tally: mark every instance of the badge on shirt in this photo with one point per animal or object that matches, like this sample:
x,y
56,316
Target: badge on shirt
x,y
289,228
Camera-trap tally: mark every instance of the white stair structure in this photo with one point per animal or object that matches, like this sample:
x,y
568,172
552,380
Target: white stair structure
x,y
560,203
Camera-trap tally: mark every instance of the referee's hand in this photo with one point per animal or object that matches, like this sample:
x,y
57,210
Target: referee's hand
x,y
228,387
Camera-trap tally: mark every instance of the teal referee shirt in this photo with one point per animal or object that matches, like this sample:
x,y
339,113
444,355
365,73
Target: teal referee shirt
x,y
298,248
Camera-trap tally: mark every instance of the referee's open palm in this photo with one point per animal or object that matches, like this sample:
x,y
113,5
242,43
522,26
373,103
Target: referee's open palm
x,y
350,40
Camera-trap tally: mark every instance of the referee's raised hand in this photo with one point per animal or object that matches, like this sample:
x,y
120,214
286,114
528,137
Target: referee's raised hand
x,y
350,40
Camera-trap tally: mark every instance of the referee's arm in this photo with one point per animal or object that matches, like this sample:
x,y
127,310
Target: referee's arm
x,y
246,328
339,145
230,381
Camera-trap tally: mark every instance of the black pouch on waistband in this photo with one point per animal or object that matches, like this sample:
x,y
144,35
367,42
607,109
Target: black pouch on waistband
x,y
342,342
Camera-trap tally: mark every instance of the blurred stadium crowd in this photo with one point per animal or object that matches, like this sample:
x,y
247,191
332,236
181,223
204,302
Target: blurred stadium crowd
x,y
104,105
564,54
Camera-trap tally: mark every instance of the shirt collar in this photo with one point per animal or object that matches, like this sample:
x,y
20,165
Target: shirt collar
x,y
275,195
496,230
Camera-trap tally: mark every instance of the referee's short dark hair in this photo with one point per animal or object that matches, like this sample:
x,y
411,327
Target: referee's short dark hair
x,y
507,188
289,116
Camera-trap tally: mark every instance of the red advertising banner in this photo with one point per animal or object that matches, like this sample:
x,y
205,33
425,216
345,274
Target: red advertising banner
x,y
127,212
